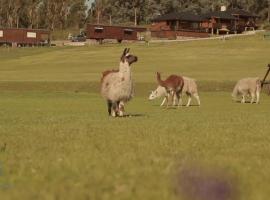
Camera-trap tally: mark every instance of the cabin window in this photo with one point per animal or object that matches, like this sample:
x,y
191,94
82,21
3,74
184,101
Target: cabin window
x,y
99,29
31,35
1,33
195,26
128,31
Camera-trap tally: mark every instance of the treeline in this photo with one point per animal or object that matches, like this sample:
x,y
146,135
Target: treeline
x,y
63,14
142,11
49,14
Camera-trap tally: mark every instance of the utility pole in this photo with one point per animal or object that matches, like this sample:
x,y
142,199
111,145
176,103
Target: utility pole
x,y
268,11
135,16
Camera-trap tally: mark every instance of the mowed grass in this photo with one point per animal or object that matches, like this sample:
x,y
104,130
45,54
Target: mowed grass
x,y
60,143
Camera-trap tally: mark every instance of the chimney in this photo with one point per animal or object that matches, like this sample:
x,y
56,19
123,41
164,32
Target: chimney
x,y
223,8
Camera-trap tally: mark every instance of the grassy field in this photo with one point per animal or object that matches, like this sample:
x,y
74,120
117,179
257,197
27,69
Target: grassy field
x,y
57,142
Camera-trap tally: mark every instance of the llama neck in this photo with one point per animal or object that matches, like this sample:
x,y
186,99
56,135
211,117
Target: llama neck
x,y
124,69
161,82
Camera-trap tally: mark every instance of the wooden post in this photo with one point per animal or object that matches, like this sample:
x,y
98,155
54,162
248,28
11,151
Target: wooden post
x,y
135,16
110,19
267,73
98,17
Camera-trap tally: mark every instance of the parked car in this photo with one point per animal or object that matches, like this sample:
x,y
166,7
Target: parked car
x,y
78,38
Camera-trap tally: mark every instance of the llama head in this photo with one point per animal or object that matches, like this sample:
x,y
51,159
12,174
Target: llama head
x,y
127,57
159,92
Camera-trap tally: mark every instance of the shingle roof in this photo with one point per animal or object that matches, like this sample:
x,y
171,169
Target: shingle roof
x,y
184,16
190,16
241,13
219,14
229,14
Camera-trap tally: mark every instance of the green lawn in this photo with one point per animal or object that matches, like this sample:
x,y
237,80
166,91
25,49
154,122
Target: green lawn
x,y
60,143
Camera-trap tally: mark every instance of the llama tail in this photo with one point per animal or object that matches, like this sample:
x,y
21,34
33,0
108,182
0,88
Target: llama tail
x,y
160,82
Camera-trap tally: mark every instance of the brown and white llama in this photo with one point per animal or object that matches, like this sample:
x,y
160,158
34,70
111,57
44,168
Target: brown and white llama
x,y
117,85
174,85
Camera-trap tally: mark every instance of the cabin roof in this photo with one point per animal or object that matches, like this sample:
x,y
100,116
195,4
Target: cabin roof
x,y
241,12
229,14
24,29
183,16
219,14
190,16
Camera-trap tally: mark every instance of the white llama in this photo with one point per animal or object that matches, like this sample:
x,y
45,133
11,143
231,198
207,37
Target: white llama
x,y
248,86
190,88
117,85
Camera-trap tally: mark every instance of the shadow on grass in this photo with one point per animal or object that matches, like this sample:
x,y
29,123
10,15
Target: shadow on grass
x,y
247,102
131,115
175,107
134,115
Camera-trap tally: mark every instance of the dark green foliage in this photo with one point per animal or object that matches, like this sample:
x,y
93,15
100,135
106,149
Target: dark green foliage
x,y
62,14
123,10
49,14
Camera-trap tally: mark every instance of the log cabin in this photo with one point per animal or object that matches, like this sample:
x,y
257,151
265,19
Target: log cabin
x,y
229,21
188,24
174,25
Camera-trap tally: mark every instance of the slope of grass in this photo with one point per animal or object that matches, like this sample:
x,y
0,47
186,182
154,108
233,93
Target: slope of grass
x,y
205,60
60,143
63,145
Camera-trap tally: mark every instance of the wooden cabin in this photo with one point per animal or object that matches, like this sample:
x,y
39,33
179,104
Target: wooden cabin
x,y
175,25
229,21
24,37
119,33
219,22
244,20
188,24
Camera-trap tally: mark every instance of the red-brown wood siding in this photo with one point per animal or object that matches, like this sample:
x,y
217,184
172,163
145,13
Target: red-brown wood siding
x,y
112,32
19,36
174,34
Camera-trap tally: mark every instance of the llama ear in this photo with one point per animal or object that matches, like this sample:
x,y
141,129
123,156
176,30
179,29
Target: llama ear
x,y
127,50
123,55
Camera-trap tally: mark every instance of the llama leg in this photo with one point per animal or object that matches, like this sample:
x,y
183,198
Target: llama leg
x,y
174,98
243,99
252,98
167,99
164,101
109,104
174,101
121,108
189,100
180,100
198,99
258,96
178,96
114,109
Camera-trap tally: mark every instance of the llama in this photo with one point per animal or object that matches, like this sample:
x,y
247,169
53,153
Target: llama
x,y
190,88
117,85
174,85
248,86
